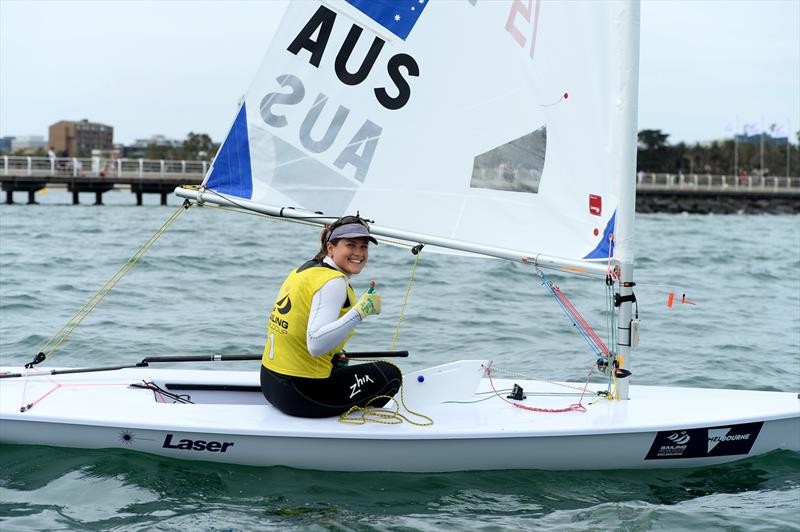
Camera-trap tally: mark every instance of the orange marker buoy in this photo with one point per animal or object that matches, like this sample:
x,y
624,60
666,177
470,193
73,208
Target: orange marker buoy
x,y
684,301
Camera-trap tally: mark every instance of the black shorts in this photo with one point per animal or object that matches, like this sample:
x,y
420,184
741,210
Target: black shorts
x,y
346,387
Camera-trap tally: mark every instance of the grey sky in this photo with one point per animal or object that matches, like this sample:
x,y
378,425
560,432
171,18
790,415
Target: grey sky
x,y
171,67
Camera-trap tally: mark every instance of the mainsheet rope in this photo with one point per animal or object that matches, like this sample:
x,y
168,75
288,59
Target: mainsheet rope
x,y
417,250
72,323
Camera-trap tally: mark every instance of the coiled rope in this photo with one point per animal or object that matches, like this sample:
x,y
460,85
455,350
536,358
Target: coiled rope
x,y
360,415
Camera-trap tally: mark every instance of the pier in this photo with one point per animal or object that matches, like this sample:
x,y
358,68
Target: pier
x,y
694,193
706,193
97,175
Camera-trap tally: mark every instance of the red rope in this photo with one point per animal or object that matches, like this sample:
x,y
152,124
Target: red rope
x,y
57,386
580,319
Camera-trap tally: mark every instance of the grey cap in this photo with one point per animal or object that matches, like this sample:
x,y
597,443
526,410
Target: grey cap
x,y
354,230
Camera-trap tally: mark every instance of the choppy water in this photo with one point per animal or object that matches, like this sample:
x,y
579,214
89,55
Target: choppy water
x,y
208,283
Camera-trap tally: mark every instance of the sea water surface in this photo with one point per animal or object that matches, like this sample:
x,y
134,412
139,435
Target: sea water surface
x,y
209,282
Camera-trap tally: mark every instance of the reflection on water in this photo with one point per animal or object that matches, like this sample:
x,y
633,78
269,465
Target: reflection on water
x,y
118,488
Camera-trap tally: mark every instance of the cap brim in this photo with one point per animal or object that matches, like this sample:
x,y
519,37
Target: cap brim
x,y
357,235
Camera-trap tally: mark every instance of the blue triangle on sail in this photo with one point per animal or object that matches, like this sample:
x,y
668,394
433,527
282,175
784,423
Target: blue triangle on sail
x,y
602,250
231,173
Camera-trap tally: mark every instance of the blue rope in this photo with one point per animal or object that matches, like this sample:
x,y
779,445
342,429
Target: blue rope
x,y
575,323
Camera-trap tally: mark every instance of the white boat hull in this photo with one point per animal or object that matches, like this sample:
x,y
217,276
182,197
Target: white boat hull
x,y
659,427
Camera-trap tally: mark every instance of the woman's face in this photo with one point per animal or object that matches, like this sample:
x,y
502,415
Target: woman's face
x,y
350,254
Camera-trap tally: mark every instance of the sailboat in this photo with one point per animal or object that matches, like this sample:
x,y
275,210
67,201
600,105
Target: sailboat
x,y
502,129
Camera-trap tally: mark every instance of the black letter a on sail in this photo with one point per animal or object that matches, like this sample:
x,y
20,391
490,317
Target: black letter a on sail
x,y
322,20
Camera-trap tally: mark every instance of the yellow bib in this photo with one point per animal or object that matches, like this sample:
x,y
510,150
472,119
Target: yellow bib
x,y
286,351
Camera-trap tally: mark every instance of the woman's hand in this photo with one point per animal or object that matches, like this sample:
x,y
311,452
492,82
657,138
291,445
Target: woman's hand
x,y
368,304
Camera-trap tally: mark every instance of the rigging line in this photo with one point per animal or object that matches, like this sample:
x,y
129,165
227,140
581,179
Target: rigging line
x,y
582,389
104,290
575,407
58,386
417,252
591,337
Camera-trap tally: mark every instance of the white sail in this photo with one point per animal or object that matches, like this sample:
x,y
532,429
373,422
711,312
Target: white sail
x,y
499,123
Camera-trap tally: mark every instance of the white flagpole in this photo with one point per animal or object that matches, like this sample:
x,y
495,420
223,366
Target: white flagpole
x,y
788,132
736,147
762,146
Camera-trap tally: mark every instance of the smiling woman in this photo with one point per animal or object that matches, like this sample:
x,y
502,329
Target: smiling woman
x,y
304,372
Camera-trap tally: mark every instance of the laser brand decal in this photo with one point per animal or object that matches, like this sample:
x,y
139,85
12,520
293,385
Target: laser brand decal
x,y
727,440
197,445
355,388
126,437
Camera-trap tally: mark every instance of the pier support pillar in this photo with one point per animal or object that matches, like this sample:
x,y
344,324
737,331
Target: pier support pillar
x,y
163,198
31,197
98,198
139,199
75,199
9,197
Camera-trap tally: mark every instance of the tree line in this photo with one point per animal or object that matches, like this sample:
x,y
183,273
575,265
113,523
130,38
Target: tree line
x,y
196,147
719,157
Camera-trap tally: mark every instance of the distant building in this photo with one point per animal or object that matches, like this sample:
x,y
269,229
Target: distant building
x,y
80,138
138,149
161,140
5,144
27,142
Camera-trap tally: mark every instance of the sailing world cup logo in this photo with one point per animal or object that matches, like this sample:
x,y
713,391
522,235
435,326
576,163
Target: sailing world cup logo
x,y
679,438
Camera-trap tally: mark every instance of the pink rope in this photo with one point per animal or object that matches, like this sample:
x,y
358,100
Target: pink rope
x,y
580,319
576,407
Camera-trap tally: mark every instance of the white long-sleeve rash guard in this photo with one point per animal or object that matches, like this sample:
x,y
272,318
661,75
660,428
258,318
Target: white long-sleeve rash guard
x,y
326,329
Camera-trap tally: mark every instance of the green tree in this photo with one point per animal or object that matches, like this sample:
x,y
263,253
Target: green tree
x,y
654,151
198,146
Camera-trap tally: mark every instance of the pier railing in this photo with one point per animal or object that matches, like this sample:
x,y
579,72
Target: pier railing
x,y
729,183
87,167
655,192
39,167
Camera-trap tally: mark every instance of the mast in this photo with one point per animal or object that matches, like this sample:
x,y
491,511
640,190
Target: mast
x,y
625,163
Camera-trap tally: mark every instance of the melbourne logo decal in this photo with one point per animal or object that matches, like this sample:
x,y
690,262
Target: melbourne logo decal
x,y
705,442
717,436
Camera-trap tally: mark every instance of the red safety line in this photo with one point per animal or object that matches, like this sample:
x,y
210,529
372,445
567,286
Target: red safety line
x,y
58,385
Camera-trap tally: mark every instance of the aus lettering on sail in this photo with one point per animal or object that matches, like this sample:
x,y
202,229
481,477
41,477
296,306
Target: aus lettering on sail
x,y
339,78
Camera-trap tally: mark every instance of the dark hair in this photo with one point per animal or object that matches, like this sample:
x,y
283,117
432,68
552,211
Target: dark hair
x,y
326,230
